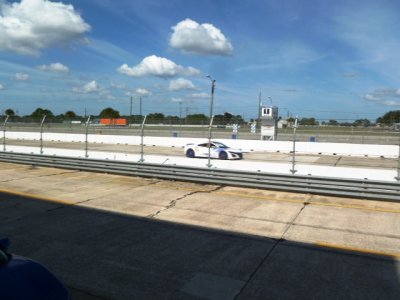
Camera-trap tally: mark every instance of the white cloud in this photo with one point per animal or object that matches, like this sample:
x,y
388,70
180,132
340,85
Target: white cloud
x,y
56,67
90,87
177,100
118,86
1,87
192,37
143,92
371,97
180,84
391,103
21,76
157,66
29,26
200,95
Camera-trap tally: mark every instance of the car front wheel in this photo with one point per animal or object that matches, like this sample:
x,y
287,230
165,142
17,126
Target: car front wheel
x,y
190,153
223,155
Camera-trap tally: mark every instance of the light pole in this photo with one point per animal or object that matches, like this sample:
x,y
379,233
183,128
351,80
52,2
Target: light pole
x,y
141,140
4,133
211,119
140,107
86,137
293,170
130,110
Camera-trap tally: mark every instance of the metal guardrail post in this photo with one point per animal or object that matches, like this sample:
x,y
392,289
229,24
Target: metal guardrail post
x,y
4,133
141,140
398,166
86,137
41,134
209,142
293,170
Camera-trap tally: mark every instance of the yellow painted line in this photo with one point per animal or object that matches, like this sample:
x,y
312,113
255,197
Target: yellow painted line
x,y
260,197
395,211
38,197
360,250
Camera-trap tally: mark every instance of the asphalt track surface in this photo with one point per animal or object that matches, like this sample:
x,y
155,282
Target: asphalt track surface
x,y
324,160
116,237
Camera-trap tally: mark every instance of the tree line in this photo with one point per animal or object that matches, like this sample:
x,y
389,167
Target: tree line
x,y
110,113
387,119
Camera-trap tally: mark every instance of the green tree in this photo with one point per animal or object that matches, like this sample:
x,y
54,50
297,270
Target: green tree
x,y
69,115
40,112
109,113
238,119
362,122
197,119
389,118
308,121
333,123
155,118
10,112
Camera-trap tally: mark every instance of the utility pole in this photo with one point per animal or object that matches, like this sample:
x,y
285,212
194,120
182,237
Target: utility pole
x,y
259,106
140,106
211,119
130,110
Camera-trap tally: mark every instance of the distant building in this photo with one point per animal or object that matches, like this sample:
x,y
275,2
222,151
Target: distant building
x,y
269,122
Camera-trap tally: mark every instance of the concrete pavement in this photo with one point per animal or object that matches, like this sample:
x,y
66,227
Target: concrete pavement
x,y
116,237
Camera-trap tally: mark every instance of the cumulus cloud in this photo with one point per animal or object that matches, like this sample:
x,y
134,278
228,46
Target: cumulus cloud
x,y
29,26
180,84
1,87
157,66
56,67
21,76
192,37
90,87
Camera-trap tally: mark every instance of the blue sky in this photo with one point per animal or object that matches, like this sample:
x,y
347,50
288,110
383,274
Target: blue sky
x,y
324,59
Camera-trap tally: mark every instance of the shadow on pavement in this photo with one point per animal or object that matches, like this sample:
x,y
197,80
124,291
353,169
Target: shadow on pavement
x,y
105,255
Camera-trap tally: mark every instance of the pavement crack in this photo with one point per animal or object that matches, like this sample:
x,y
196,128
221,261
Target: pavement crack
x,y
291,223
40,176
269,253
258,267
173,202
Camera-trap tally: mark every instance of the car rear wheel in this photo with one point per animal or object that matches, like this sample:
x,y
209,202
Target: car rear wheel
x,y
190,153
223,155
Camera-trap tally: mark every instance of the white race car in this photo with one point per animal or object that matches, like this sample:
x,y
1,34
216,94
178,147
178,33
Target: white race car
x,y
218,150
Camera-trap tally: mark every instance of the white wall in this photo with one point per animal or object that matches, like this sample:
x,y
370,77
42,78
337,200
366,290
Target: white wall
x,y
389,151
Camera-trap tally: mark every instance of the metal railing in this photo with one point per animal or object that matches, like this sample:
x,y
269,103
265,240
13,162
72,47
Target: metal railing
x,y
364,189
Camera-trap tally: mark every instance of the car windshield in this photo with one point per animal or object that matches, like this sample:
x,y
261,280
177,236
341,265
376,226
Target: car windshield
x,y
220,145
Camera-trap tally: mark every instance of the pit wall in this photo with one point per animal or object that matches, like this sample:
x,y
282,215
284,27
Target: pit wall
x,y
315,148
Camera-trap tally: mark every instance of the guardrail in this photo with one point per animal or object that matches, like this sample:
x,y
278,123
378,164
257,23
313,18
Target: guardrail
x,y
365,189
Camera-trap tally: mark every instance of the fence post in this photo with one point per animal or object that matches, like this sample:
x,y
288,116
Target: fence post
x,y
4,133
141,140
209,142
293,170
86,137
41,134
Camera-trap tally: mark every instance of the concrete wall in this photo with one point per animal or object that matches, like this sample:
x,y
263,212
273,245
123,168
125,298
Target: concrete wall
x,y
389,151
